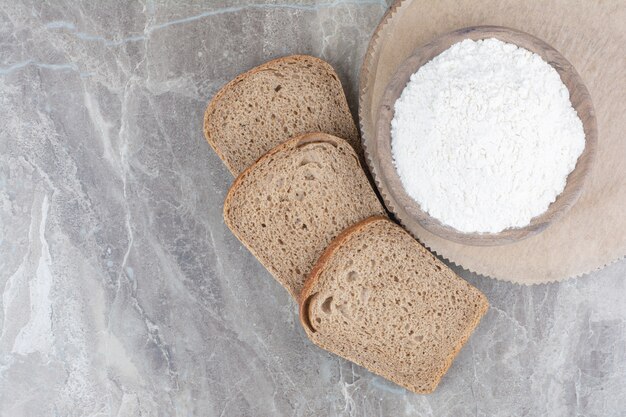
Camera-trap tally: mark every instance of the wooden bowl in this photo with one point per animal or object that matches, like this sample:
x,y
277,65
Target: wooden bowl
x,y
389,182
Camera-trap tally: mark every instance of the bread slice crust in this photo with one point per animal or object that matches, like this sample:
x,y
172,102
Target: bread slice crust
x,y
223,152
370,202
313,280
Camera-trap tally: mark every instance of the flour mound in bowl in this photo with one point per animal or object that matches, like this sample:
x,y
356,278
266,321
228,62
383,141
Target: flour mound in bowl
x,y
484,136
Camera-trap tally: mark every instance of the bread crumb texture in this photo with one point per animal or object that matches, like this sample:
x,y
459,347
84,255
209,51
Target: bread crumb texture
x,y
288,206
380,299
271,103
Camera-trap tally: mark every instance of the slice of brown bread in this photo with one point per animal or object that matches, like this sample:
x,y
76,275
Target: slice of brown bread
x,y
289,205
380,299
273,102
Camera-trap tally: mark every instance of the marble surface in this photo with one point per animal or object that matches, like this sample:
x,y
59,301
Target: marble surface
x,y
123,293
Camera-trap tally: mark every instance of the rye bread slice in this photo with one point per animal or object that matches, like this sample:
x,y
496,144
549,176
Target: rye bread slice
x,y
273,102
378,298
289,205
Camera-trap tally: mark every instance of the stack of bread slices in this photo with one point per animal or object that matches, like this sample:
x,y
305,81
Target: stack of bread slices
x,y
303,205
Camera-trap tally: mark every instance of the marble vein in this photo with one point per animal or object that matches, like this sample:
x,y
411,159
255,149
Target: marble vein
x,y
53,67
227,10
124,294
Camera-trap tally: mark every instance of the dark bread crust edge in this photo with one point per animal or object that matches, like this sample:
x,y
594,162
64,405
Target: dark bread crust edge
x,y
319,267
214,102
483,306
313,277
330,250
295,142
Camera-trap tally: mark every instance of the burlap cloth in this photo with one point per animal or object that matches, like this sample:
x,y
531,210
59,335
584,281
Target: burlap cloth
x,y
592,36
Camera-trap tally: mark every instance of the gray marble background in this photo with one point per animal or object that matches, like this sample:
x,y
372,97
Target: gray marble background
x,y
123,293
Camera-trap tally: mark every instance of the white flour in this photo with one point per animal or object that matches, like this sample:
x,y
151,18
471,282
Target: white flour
x,y
484,136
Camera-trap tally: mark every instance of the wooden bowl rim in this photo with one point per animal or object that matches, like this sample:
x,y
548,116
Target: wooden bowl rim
x,y
389,181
